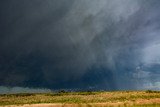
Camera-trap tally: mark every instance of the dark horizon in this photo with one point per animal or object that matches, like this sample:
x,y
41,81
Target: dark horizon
x,y
80,44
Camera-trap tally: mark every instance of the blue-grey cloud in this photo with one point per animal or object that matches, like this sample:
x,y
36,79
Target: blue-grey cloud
x,y
13,90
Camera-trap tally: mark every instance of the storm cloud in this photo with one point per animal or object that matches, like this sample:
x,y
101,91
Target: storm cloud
x,y
80,44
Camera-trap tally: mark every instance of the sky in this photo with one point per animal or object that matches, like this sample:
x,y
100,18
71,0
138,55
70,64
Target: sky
x,y
79,45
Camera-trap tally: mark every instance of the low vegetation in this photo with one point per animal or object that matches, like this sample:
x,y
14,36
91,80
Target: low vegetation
x,y
122,98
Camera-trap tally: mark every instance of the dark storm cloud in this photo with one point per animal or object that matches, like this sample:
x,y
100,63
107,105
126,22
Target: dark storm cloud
x,y
78,44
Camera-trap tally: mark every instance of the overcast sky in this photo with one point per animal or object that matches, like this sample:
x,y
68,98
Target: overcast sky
x,y
80,44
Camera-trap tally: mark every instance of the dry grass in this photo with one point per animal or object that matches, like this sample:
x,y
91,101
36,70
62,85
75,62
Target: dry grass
x,y
84,99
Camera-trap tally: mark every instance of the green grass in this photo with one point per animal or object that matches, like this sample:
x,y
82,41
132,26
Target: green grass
x,y
125,97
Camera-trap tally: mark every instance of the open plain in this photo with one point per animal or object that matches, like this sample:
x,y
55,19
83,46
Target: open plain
x,y
83,99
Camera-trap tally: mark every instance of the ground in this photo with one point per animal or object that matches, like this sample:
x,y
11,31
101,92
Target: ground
x,y
83,99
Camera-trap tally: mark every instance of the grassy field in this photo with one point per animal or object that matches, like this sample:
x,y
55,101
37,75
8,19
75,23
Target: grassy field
x,y
84,99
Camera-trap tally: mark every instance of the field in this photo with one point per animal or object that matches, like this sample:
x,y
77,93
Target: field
x,y
83,99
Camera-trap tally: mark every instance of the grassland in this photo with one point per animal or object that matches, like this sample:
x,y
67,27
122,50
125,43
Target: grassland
x,y
84,99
